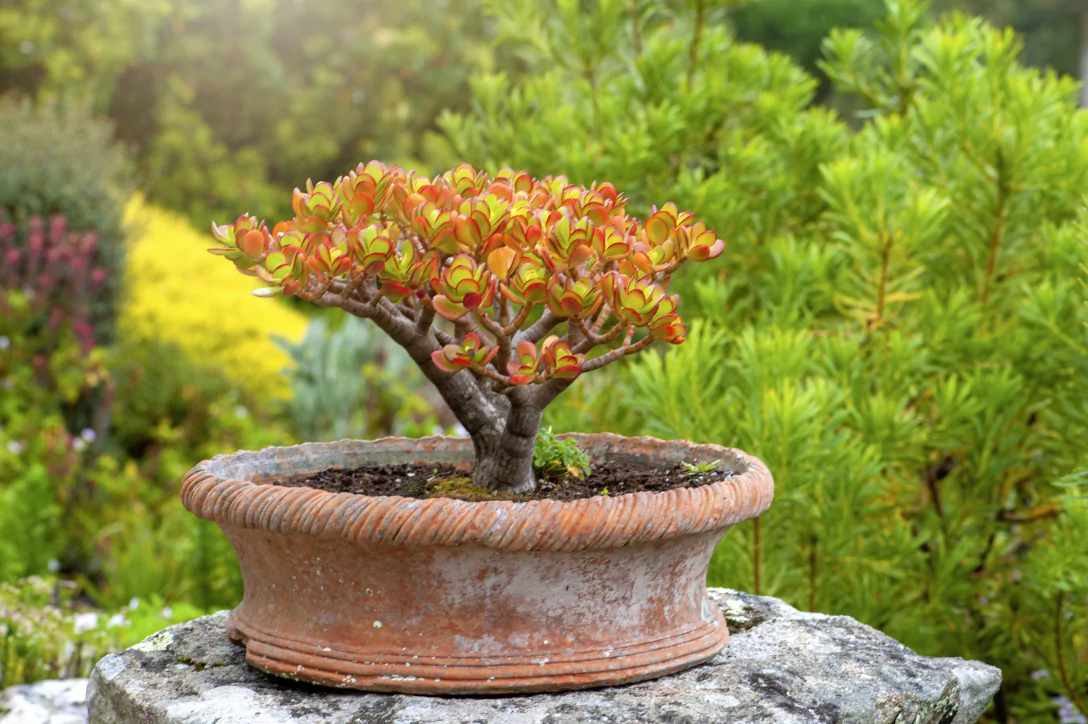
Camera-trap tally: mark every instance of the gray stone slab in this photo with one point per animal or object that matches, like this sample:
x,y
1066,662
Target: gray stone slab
x,y
57,701
780,665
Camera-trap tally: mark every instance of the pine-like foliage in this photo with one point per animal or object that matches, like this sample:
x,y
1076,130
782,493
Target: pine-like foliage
x,y
902,333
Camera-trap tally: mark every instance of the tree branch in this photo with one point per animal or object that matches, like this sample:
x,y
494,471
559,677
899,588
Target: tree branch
x,y
519,320
602,317
489,324
540,327
617,354
459,390
425,318
594,340
548,391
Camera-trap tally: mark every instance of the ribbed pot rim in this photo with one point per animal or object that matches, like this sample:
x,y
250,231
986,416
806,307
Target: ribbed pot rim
x,y
231,490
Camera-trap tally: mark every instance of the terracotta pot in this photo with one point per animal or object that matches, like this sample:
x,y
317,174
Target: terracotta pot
x,y
447,597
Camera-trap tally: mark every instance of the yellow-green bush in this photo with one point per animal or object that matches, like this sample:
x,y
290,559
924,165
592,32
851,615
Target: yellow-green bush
x,y
176,291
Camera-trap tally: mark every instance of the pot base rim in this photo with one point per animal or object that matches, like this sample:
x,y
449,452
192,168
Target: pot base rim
x,y
488,675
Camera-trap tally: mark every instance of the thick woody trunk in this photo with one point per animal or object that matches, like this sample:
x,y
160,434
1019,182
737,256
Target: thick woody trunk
x,y
505,461
503,427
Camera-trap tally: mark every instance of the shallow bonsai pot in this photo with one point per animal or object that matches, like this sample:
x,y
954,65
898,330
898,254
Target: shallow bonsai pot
x,y
442,596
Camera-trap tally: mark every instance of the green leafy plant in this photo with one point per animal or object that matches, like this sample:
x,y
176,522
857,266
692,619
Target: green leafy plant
x,y
345,79
45,632
556,458
349,381
472,273
700,468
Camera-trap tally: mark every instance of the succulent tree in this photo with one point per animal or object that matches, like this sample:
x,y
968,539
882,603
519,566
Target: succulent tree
x,y
503,289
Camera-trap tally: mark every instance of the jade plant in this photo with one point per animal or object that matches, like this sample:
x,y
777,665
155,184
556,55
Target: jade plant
x,y
503,289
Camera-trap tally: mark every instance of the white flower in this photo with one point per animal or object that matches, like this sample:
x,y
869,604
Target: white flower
x,y
4,342
117,619
86,622
15,447
87,434
79,444
53,565
241,411
167,612
134,604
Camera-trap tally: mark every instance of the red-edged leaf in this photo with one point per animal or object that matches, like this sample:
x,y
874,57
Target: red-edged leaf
x,y
569,372
657,228
467,232
441,362
570,305
252,244
527,350
501,262
362,205
312,224
448,309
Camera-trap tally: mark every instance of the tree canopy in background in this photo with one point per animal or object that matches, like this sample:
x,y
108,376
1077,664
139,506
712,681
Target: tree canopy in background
x,y
1052,30
229,104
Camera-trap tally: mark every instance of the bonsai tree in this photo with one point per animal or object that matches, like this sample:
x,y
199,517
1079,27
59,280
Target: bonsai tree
x,y
502,289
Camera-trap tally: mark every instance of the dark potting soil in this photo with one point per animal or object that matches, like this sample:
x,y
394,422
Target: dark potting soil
x,y
444,481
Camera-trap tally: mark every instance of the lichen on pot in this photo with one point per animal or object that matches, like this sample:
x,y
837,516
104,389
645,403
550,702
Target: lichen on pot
x,y
443,596
503,289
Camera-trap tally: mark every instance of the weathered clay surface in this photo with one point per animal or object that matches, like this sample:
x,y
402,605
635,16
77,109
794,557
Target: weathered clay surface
x,y
447,597
60,701
780,665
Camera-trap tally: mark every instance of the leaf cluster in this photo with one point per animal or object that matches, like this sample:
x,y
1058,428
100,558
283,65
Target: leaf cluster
x,y
505,258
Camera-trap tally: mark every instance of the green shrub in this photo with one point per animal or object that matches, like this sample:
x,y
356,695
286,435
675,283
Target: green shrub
x,y
59,161
898,325
798,29
45,633
348,380
101,504
364,78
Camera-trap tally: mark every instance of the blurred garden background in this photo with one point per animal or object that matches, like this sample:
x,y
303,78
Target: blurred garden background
x,y
897,326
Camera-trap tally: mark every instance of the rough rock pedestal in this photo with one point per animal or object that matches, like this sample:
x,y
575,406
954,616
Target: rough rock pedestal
x,y
780,665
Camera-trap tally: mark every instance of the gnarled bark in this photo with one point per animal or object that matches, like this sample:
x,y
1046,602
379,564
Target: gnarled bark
x,y
503,423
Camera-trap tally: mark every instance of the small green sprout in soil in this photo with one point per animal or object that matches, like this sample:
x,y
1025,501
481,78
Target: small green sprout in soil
x,y
700,468
604,491
554,458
